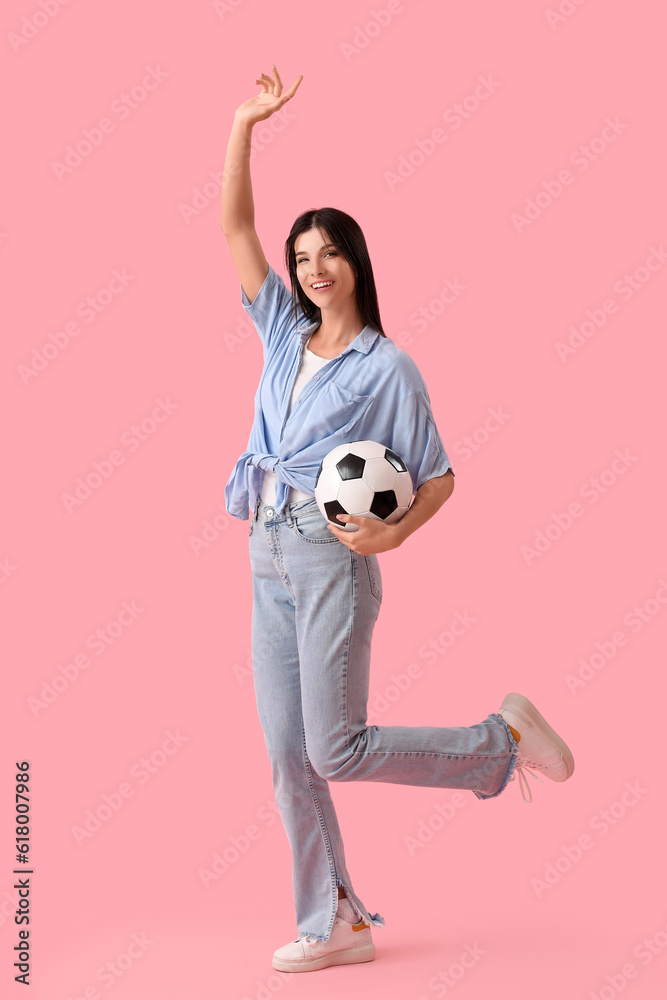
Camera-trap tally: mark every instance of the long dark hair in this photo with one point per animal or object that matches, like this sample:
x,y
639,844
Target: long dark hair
x,y
346,234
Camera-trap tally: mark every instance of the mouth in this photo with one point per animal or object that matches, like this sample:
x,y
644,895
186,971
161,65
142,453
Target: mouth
x,y
321,286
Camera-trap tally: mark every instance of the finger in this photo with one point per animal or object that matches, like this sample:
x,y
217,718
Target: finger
x,y
339,530
342,538
295,86
279,82
269,81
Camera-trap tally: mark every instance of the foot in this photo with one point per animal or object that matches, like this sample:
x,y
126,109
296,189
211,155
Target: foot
x,y
540,748
349,943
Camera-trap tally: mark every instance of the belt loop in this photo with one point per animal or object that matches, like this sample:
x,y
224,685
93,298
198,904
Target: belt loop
x,y
288,514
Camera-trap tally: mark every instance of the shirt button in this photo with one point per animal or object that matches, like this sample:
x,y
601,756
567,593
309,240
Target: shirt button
x,y
317,378
298,400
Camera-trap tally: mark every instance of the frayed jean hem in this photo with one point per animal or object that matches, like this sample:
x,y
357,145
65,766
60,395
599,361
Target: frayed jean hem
x,y
514,752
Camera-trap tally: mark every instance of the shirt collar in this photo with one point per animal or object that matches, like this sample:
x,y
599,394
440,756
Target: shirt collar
x,y
362,342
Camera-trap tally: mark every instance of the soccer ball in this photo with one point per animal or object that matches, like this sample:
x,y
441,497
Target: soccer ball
x,y
366,479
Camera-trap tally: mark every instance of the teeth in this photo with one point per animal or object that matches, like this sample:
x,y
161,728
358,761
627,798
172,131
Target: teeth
x,y
322,284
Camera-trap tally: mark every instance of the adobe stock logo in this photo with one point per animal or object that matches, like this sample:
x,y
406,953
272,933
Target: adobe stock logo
x,y
223,7
238,844
7,569
581,158
243,673
469,444
625,288
443,813
645,951
592,490
103,469
9,902
266,988
244,331
454,117
211,530
566,8
606,649
364,34
112,802
88,309
32,24
381,701
208,192
601,823
99,642
425,315
92,138
115,967
446,979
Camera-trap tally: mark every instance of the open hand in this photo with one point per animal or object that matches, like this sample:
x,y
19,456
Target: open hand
x,y
271,99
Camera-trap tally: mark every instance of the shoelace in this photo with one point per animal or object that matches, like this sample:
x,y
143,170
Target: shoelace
x,y
520,771
309,939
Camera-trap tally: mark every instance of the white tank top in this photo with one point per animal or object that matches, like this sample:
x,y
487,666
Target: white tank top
x,y
310,364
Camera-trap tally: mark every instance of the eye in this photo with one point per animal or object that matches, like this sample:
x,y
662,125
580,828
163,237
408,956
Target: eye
x,y
333,253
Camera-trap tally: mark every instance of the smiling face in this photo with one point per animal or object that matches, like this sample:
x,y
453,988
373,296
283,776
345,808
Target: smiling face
x,y
320,263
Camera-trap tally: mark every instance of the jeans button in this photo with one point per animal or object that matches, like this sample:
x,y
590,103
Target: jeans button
x,y
270,511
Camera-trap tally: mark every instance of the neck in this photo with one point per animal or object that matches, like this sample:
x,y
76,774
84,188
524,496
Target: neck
x,y
335,332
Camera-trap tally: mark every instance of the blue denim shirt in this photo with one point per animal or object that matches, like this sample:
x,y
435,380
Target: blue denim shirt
x,y
372,391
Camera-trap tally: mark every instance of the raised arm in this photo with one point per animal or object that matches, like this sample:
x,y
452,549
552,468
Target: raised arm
x,y
237,218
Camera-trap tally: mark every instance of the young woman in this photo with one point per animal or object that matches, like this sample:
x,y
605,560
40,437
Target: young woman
x,y
330,376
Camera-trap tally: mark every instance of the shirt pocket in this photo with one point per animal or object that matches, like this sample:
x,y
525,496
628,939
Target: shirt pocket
x,y
340,409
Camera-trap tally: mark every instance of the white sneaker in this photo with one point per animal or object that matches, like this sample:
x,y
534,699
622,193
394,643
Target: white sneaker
x,y
540,748
349,943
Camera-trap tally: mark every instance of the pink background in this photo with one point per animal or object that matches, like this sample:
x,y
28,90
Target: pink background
x,y
172,333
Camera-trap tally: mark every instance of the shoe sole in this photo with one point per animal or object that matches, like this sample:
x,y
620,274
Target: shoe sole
x,y
345,956
529,715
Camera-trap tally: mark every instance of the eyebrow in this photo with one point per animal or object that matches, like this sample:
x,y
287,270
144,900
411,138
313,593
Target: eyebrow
x,y
323,247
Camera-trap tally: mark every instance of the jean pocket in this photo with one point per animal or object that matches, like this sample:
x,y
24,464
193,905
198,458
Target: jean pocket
x,y
374,576
252,525
313,527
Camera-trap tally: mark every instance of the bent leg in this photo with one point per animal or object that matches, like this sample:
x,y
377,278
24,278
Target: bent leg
x,y
338,603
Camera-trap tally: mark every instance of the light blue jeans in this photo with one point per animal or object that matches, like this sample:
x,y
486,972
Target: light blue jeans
x,y
315,604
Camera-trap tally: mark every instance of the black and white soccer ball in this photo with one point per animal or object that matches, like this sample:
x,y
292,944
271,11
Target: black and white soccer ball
x,y
365,479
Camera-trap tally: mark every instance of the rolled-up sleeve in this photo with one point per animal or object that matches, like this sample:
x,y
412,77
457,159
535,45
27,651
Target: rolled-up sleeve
x,y
403,420
416,439
271,309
